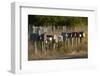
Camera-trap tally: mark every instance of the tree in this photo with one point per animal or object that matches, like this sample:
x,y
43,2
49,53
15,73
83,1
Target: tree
x,y
42,20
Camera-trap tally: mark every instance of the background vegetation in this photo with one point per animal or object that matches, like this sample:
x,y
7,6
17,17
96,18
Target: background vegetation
x,y
39,20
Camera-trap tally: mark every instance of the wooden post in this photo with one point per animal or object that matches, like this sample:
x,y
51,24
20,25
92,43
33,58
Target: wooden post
x,y
46,47
64,43
68,42
54,46
72,41
77,41
35,44
80,40
42,45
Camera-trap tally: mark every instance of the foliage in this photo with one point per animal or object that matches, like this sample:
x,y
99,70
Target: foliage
x,y
42,20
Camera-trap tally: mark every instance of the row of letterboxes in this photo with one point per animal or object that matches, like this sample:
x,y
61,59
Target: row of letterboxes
x,y
68,35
